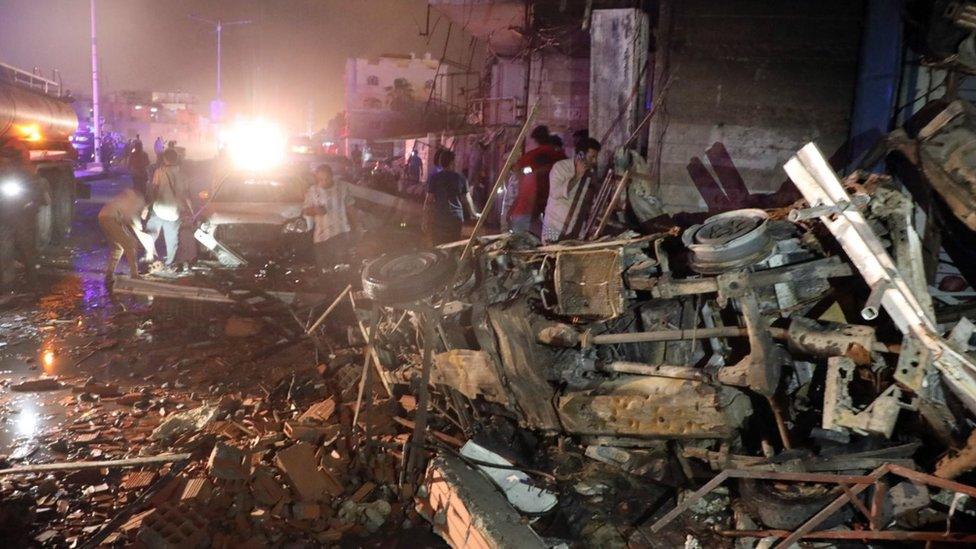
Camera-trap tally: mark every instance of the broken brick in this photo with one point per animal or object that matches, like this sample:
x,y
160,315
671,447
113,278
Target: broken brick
x,y
138,479
171,527
306,511
305,432
197,490
265,489
310,482
226,462
320,411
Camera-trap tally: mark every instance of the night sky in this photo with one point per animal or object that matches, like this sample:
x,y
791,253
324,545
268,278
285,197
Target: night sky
x,y
293,52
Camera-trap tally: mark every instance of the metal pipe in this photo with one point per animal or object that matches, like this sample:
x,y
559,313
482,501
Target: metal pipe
x,y
96,127
668,335
662,370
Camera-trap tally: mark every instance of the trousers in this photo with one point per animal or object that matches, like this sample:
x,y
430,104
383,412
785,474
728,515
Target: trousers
x,y
121,241
170,231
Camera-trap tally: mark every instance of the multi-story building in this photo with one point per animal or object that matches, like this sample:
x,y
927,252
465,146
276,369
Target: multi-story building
x,y
151,114
382,93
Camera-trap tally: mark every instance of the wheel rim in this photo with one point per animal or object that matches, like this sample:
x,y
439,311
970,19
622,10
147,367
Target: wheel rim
x,y
406,265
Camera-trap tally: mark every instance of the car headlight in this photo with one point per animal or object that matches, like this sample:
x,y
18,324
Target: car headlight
x,y
11,188
297,225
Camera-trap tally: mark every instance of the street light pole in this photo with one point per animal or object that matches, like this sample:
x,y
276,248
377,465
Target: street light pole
x,y
96,127
219,25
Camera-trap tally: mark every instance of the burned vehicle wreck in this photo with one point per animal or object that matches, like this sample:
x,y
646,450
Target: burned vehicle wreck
x,y
792,349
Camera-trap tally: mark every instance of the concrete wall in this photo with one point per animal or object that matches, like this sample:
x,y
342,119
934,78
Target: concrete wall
x,y
561,86
761,77
618,55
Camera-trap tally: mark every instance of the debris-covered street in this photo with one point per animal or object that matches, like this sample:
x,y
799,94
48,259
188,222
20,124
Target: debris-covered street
x,y
600,274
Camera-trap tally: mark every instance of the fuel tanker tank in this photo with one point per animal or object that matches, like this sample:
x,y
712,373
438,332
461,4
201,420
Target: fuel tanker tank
x,y
34,116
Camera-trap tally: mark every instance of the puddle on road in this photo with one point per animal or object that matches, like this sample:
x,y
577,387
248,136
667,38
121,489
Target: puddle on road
x,y
69,322
25,416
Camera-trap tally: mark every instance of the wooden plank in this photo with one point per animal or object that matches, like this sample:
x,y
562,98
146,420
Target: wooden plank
x,y
689,501
77,465
830,509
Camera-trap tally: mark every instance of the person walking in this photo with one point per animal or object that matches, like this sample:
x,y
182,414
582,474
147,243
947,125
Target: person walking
x,y
137,164
169,203
447,198
121,221
327,203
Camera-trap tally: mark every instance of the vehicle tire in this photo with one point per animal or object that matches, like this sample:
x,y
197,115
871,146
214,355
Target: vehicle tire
x,y
44,216
62,205
8,272
405,277
789,507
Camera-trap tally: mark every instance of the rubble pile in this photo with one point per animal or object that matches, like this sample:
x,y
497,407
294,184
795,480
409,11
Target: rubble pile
x,y
756,376
246,470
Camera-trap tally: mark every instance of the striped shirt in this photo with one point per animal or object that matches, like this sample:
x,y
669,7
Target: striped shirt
x,y
334,201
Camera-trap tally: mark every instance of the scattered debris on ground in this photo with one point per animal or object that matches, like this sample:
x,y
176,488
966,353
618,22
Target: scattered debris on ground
x,y
760,374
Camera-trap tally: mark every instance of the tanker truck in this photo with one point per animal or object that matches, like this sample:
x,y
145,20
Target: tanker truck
x,y
36,123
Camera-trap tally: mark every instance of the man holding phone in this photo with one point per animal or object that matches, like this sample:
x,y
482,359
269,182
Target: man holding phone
x,y
568,184
326,203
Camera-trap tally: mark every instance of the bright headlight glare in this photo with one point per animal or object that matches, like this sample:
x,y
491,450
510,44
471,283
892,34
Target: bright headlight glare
x,y
297,225
255,145
11,188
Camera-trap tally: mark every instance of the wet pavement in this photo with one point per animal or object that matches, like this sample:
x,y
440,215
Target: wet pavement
x,y
43,326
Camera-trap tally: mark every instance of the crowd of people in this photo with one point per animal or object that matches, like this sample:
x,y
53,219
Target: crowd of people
x,y
546,194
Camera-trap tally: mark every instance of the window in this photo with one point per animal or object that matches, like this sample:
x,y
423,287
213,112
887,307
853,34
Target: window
x,y
372,81
372,103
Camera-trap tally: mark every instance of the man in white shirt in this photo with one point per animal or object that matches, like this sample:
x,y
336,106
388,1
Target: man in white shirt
x,y
327,202
568,181
170,201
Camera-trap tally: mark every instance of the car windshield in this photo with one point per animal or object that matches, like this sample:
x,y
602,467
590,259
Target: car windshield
x,y
260,188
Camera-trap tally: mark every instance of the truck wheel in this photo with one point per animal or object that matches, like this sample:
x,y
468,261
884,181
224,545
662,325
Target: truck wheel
x,y
791,505
43,226
8,272
62,205
405,277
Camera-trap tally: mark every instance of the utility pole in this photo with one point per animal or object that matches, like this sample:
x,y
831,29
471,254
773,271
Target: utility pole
x,y
217,107
96,126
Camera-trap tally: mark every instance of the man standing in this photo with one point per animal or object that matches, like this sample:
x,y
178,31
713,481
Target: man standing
x,y
568,183
532,181
327,202
138,165
158,147
121,222
447,197
169,199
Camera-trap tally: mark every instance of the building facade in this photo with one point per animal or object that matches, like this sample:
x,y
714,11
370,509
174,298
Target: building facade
x,y
151,114
382,94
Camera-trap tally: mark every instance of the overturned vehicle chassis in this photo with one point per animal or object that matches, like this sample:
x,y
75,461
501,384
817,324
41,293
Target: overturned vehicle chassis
x,y
748,337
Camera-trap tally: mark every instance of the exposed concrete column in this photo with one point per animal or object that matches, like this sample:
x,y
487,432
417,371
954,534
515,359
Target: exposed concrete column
x,y
618,54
